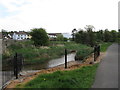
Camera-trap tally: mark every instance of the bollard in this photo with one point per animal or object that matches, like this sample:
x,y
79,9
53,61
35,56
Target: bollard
x,y
65,58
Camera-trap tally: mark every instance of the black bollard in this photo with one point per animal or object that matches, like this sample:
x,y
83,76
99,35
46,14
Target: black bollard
x,y
65,58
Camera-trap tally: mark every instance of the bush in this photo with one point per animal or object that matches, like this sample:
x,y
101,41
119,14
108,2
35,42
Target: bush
x,y
83,53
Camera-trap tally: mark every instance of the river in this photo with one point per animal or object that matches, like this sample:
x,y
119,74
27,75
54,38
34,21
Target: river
x,y
50,63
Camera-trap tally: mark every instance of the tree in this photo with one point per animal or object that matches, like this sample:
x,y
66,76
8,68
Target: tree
x,y
99,35
60,37
4,32
90,35
80,36
73,33
39,36
107,36
113,36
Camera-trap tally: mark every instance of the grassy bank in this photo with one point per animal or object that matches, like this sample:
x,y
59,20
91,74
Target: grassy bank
x,y
104,46
78,78
36,55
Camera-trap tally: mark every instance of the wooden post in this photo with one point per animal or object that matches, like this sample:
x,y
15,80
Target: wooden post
x,y
65,58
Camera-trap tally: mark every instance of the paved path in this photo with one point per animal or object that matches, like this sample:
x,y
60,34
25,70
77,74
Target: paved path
x,y
107,73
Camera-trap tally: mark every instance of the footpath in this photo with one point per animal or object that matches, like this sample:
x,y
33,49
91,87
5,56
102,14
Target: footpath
x,y
107,72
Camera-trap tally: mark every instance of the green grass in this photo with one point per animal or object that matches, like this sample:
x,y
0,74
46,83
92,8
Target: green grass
x,y
34,55
78,78
83,53
104,46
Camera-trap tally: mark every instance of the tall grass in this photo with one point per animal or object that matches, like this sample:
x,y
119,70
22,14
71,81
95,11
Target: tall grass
x,y
34,54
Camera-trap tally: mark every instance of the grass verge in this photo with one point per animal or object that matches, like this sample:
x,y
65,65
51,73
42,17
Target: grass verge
x,y
78,78
104,46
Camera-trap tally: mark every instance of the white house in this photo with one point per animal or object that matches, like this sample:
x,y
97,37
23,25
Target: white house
x,y
21,35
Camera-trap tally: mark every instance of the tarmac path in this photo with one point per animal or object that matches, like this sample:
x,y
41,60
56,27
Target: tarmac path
x,y
107,72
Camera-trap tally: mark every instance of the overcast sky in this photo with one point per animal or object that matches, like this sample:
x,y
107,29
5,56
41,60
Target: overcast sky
x,y
58,15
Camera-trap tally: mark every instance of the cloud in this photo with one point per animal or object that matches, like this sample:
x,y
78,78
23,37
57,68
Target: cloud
x,y
59,15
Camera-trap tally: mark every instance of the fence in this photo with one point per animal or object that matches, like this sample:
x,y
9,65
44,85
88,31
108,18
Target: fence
x,y
96,52
18,64
11,68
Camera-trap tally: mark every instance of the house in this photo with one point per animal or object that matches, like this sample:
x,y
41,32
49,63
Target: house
x,y
53,36
21,35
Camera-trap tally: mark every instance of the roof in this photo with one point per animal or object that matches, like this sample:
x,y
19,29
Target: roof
x,y
54,33
21,32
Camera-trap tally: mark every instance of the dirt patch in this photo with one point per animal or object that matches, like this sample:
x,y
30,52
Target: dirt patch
x,y
23,79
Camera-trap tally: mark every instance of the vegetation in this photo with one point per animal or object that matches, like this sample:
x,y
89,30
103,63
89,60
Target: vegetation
x,y
83,53
104,46
91,38
73,33
39,36
78,78
36,55
60,38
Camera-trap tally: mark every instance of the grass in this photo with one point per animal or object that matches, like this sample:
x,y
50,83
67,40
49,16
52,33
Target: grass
x,y
34,55
78,78
104,46
83,53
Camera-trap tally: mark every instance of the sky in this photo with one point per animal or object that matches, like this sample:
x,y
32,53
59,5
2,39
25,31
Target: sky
x,y
58,16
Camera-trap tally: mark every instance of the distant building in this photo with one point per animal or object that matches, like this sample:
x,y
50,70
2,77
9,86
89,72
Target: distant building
x,y
67,35
21,35
53,36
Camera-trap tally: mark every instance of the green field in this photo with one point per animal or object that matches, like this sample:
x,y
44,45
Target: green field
x,y
78,78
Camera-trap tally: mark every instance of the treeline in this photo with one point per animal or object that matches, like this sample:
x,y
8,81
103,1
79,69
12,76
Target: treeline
x,y
90,37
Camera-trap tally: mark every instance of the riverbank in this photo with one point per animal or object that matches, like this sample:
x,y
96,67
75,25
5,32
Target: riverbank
x,y
34,55
71,66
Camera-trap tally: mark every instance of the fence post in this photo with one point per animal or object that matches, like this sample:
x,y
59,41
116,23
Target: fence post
x,y
16,66
65,58
94,53
99,50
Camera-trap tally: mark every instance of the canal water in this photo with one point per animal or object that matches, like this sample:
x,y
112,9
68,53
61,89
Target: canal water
x,y
50,63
